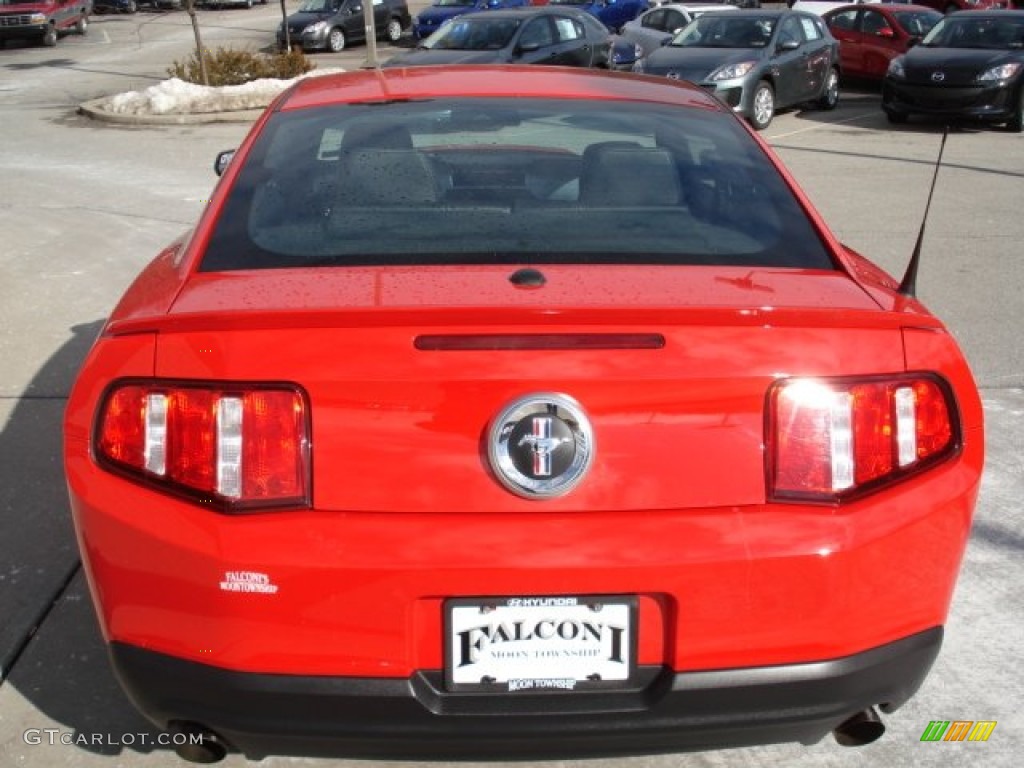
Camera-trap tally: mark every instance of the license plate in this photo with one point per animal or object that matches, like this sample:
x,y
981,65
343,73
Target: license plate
x,y
563,643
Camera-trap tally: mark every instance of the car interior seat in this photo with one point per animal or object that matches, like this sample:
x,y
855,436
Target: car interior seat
x,y
617,174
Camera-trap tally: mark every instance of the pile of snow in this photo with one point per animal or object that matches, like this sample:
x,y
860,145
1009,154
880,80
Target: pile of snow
x,y
176,97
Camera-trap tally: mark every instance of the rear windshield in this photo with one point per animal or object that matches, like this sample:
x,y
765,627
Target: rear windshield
x,y
509,181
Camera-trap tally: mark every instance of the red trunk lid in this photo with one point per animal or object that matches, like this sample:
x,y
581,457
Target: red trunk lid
x,y
403,430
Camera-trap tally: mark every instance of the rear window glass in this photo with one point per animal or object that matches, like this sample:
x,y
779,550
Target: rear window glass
x,y
509,181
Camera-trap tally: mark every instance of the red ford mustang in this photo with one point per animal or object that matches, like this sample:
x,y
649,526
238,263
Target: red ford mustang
x,y
504,412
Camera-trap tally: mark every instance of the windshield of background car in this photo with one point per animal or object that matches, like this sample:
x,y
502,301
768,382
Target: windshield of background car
x,y
917,23
713,30
472,34
486,181
984,32
319,6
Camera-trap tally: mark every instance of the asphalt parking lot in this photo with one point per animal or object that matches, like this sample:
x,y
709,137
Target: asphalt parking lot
x,y
85,205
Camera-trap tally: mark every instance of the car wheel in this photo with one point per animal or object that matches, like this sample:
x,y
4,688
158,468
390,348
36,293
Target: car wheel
x,y
132,7
830,96
50,36
763,109
83,25
248,3
896,118
1016,123
393,31
336,40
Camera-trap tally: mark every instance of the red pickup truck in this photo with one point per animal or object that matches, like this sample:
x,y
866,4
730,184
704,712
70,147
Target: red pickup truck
x,y
42,20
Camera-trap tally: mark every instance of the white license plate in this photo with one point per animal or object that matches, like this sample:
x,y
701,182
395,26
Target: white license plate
x,y
565,643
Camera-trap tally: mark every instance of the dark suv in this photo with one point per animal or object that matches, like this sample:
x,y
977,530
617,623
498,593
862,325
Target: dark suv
x,y
333,24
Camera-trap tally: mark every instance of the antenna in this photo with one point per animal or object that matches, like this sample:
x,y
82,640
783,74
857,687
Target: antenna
x,y
909,285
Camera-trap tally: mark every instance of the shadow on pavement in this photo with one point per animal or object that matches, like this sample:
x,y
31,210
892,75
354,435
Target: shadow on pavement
x,y
50,645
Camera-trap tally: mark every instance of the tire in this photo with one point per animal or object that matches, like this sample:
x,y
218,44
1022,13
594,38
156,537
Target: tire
x,y
50,36
336,40
82,26
896,118
830,96
762,106
1016,123
133,7
393,30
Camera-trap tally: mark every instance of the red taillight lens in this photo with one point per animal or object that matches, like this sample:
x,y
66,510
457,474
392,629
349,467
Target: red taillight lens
x,y
832,438
239,447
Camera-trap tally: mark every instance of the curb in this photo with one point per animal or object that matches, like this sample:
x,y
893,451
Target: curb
x,y
96,110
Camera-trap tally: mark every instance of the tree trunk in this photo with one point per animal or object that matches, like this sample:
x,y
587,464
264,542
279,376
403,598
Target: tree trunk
x,y
287,32
190,6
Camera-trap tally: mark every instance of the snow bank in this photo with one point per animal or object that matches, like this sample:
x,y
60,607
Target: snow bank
x,y
176,97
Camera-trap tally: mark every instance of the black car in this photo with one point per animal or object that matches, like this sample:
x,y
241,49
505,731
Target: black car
x,y
532,35
333,24
970,66
115,6
755,61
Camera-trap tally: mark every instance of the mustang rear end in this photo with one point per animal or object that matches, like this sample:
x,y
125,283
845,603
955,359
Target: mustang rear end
x,y
474,401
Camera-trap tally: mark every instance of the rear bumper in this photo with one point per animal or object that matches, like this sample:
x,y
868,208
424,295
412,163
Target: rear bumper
x,y
414,717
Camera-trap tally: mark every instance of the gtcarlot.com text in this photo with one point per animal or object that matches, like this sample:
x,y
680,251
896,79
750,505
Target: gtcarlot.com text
x,y
57,737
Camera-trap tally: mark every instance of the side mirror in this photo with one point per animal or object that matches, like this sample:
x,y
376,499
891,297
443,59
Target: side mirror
x,y
886,32
789,45
223,161
527,47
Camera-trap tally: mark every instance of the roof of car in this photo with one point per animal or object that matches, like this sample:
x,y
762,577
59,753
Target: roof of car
x,y
375,85
890,7
526,10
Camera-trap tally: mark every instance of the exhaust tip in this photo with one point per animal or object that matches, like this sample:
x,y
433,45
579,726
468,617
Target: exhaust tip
x,y
863,728
196,743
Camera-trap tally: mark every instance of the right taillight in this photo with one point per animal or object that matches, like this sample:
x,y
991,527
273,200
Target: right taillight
x,y
236,446
831,438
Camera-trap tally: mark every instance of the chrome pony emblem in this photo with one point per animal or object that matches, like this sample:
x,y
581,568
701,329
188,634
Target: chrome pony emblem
x,y
938,77
540,446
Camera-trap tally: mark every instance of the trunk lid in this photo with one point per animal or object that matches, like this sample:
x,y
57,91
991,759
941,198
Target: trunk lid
x,y
401,429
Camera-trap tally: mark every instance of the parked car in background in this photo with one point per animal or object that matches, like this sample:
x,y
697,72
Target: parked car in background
x,y
612,13
755,61
951,6
533,35
115,6
426,22
42,21
969,67
657,26
229,3
495,413
823,6
334,24
870,36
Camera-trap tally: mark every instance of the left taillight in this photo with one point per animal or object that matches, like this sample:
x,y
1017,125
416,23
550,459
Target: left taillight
x,y
828,439
239,447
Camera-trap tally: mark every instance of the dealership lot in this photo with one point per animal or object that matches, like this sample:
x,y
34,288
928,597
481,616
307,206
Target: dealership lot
x,y
85,205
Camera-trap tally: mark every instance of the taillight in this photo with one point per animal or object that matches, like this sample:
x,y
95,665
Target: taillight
x,y
238,447
830,438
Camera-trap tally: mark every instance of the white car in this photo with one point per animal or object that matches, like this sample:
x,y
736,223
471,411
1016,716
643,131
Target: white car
x,y
655,27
